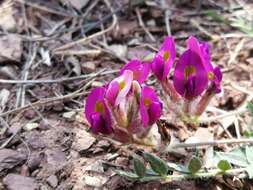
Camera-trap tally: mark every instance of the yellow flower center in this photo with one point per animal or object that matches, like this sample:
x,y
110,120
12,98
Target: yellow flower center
x,y
188,71
99,107
122,84
210,75
166,55
147,102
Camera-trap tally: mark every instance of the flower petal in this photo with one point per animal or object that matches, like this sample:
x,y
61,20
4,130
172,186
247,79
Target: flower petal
x,y
96,111
155,112
148,104
95,95
190,64
164,59
218,74
125,83
202,49
112,92
140,70
217,80
157,66
99,125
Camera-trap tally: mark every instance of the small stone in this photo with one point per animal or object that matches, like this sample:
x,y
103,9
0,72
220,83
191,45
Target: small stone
x,y
30,114
36,140
34,161
24,170
89,66
151,23
18,182
69,115
15,127
52,181
95,167
93,181
97,84
83,141
121,161
11,48
10,158
119,50
30,126
103,144
78,4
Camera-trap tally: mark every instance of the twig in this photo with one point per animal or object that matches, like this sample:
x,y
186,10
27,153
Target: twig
x,y
49,100
237,128
211,143
143,25
105,49
219,117
167,13
79,52
203,30
240,172
41,81
242,109
44,8
235,53
85,39
25,72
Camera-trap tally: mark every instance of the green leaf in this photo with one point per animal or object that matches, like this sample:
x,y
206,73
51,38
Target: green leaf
x,y
249,154
248,134
249,170
194,165
236,157
157,164
224,165
215,16
250,108
129,175
139,167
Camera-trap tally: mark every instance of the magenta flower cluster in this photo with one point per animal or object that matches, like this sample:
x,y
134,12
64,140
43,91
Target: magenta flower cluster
x,y
195,80
126,106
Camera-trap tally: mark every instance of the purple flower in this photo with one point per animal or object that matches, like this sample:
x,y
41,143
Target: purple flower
x,y
150,106
190,76
140,70
217,80
164,59
97,113
119,88
202,49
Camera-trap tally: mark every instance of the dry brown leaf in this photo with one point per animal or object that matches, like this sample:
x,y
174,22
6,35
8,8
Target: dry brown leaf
x,y
7,21
10,48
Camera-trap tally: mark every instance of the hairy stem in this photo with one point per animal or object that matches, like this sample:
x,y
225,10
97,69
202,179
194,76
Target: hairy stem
x,y
170,90
209,173
204,101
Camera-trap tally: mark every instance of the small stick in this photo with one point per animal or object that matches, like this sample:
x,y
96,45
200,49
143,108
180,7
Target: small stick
x,y
85,39
237,50
49,100
41,81
167,13
44,8
141,23
209,173
211,143
219,117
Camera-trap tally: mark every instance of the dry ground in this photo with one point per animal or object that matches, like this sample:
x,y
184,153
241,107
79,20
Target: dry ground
x,y
53,52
